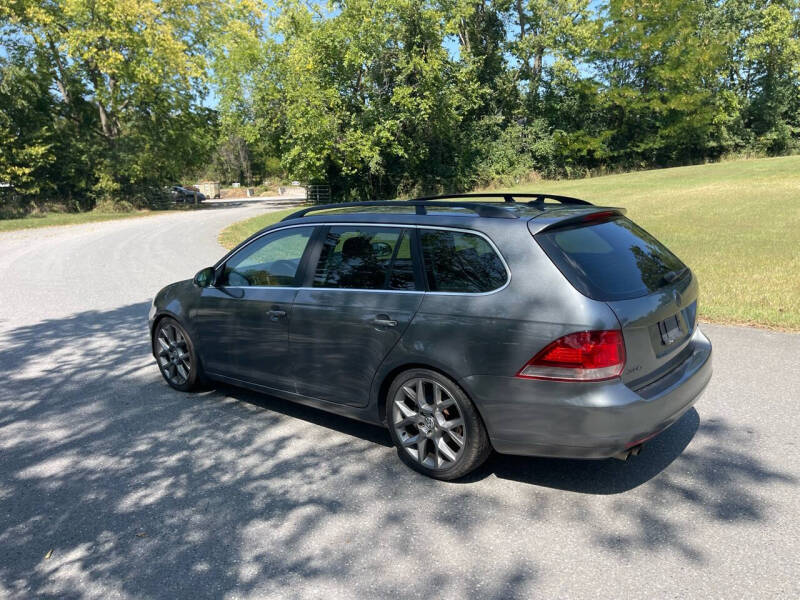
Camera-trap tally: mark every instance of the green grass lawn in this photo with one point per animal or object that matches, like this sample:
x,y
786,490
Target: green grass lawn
x,y
736,224
237,232
53,219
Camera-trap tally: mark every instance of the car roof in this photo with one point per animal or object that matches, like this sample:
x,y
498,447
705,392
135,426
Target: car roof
x,y
537,214
406,215
511,207
451,210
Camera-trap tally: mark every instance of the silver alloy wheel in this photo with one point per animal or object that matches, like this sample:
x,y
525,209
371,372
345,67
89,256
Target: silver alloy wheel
x,y
428,423
173,354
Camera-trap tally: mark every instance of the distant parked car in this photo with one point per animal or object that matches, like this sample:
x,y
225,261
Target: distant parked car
x,y
184,194
529,327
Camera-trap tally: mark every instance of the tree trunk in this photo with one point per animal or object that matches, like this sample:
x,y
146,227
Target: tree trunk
x,y
463,35
537,66
244,161
105,121
61,79
522,33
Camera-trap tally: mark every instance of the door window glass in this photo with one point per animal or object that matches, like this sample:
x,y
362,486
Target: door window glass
x,y
272,260
462,262
367,258
402,274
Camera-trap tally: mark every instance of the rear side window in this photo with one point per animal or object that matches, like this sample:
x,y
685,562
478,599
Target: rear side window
x,y
460,262
366,258
611,260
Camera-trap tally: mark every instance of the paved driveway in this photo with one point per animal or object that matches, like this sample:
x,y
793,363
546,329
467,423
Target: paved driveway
x,y
113,485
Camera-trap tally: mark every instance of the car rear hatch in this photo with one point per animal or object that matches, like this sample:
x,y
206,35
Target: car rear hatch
x,y
609,258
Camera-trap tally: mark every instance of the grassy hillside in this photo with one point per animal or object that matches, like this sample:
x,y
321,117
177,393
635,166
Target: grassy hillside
x,y
736,224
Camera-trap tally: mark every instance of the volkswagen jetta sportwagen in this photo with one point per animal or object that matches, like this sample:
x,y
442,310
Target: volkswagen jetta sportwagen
x,y
537,325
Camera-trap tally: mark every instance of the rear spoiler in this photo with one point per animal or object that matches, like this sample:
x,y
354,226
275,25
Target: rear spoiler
x,y
556,219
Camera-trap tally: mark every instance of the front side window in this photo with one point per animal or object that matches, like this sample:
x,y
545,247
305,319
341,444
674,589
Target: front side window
x,y
460,262
272,260
366,258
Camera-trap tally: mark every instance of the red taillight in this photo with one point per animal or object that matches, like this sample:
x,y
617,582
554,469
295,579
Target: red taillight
x,y
580,356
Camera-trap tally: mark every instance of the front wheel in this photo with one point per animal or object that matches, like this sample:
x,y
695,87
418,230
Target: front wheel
x,y
176,356
436,428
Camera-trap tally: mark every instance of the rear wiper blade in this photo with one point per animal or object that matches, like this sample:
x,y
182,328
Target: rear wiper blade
x,y
674,275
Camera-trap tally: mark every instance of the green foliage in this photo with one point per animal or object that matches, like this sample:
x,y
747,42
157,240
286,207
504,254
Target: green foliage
x,y
772,51
103,100
393,97
659,62
109,100
514,152
366,98
26,143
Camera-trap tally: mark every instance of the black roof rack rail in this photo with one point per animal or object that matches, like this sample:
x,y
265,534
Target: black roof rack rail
x,y
482,209
509,197
495,210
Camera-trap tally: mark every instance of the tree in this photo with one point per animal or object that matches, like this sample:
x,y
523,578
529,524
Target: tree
x,y
660,64
103,99
25,141
362,97
142,67
771,55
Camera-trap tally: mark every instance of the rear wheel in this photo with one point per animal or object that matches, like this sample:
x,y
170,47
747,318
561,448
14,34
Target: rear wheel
x,y
176,356
436,428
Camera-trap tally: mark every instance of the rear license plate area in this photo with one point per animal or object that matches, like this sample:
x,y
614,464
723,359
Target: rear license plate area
x,y
670,330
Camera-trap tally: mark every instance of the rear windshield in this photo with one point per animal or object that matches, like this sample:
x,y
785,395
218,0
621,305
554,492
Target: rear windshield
x,y
611,260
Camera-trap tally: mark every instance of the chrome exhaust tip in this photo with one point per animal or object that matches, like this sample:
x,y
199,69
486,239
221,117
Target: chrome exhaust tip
x,y
624,454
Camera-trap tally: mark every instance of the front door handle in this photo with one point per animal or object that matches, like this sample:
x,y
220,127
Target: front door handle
x,y
384,321
275,313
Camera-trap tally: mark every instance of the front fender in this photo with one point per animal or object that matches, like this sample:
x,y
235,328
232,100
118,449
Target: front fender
x,y
176,301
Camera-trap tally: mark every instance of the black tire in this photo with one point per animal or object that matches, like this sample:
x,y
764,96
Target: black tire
x,y
175,335
407,436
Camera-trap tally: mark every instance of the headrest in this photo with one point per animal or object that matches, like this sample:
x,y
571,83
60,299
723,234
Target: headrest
x,y
356,247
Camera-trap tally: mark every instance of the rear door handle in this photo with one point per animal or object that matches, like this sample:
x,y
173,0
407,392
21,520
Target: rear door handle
x,y
384,321
275,313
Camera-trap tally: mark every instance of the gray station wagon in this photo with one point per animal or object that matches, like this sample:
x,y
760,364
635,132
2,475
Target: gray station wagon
x,y
536,325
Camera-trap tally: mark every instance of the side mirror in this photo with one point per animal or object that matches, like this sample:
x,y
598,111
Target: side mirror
x,y
205,277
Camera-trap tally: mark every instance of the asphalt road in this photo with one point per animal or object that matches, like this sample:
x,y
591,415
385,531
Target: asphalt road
x,y
113,485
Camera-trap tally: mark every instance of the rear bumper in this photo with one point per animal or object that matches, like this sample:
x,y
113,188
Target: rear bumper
x,y
586,420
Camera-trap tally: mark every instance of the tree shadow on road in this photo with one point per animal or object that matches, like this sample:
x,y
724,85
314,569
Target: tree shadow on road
x,y
111,483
